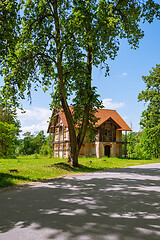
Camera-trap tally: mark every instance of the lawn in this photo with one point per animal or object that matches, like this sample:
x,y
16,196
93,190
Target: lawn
x,y
36,168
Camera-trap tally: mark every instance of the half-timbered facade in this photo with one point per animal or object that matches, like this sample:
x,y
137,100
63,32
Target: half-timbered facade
x,y
108,140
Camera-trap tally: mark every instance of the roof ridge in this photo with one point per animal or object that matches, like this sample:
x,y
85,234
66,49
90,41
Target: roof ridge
x,y
107,109
103,114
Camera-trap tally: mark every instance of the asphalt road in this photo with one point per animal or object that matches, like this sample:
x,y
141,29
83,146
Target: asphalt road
x,y
119,204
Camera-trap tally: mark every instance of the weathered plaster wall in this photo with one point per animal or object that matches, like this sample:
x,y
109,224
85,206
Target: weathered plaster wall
x,y
118,136
88,149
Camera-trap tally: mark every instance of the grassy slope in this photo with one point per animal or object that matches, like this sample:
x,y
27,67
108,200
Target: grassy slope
x,y
30,168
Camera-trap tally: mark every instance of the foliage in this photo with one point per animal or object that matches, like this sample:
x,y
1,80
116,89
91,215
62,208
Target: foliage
x,y
151,141
46,149
151,96
143,145
9,129
9,26
150,120
7,139
134,147
30,169
82,24
31,143
60,42
146,144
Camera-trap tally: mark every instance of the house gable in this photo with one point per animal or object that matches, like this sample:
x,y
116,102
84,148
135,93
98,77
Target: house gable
x,y
107,131
105,114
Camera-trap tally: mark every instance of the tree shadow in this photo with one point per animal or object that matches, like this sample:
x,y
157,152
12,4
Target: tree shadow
x,y
81,168
117,204
8,179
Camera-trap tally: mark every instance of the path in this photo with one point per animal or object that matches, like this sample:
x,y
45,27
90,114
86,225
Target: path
x,y
119,204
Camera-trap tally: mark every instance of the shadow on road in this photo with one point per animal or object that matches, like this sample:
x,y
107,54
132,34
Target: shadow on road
x,y
120,204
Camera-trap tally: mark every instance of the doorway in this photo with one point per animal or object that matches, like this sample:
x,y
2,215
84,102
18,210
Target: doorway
x,y
107,150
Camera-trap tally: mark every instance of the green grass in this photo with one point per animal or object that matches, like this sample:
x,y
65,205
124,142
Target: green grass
x,y
36,168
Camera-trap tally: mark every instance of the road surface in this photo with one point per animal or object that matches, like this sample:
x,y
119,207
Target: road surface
x,y
118,204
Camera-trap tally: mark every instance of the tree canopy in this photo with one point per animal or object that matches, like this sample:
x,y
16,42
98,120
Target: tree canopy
x,y
9,26
150,120
31,143
58,44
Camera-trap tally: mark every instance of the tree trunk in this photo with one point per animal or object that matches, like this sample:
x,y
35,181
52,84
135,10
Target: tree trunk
x,y
74,155
88,89
68,114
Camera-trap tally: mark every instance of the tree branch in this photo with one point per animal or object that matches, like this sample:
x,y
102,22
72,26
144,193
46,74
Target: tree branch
x,y
49,3
39,20
47,56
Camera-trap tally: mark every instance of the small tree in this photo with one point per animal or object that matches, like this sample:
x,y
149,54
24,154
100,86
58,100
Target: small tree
x,y
9,130
150,120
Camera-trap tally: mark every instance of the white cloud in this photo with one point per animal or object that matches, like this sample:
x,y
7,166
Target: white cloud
x,y
35,127
124,74
109,104
34,114
34,120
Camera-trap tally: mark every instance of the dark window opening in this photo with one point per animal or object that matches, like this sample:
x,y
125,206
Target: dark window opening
x,y
107,150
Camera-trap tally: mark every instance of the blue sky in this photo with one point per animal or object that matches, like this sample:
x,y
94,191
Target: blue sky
x,y
119,91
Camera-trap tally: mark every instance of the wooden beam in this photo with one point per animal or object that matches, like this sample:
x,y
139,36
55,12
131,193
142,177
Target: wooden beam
x,y
55,115
98,140
58,138
52,141
125,145
63,141
58,142
49,138
62,150
58,124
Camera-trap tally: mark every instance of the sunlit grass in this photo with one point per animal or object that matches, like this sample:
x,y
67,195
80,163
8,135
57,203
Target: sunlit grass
x,y
36,168
105,163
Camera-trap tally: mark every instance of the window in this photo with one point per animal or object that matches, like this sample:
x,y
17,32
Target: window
x,y
109,132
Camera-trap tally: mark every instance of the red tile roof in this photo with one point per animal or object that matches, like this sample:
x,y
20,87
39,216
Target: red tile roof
x,y
103,115
63,118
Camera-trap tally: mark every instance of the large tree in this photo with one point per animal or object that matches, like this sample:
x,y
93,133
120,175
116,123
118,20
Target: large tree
x,y
61,41
150,120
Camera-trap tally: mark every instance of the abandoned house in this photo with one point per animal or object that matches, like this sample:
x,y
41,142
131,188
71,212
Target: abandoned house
x,y
108,140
